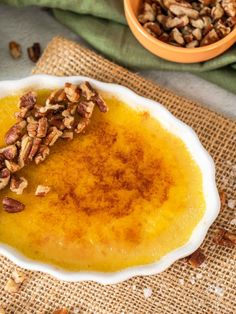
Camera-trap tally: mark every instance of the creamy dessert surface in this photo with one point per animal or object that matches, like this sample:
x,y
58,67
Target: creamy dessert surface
x,y
124,193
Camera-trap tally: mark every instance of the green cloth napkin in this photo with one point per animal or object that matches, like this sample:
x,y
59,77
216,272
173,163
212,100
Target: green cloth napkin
x,y
102,24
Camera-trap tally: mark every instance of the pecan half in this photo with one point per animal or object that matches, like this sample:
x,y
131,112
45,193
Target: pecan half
x,y
18,184
34,52
42,127
196,258
12,206
225,238
35,148
4,178
15,132
15,49
99,101
180,10
32,126
72,92
68,119
9,152
42,190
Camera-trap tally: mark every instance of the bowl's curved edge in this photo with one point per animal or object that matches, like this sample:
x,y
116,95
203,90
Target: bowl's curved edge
x,y
182,130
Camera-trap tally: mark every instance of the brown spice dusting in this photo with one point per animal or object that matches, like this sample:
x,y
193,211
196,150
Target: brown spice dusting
x,y
225,238
197,258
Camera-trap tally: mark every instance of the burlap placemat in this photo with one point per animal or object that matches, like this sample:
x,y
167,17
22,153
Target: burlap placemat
x,y
180,289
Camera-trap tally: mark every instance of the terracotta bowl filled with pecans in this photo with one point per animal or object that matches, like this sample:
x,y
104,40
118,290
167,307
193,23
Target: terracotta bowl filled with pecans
x,y
183,31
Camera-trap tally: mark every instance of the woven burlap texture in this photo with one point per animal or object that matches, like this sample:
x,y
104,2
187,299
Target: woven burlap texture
x,y
180,289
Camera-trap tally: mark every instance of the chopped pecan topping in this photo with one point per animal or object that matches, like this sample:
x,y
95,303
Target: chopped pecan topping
x,y
35,148
56,96
68,119
34,52
42,190
196,258
15,132
9,152
42,154
72,92
12,166
225,238
87,91
4,178
85,109
50,107
53,135
32,126
15,49
42,127
28,100
26,146
12,206
18,184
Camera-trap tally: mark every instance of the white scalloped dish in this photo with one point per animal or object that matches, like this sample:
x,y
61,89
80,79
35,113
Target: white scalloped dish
x,y
129,197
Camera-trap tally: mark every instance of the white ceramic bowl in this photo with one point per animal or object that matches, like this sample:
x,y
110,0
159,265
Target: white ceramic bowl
x,y
168,121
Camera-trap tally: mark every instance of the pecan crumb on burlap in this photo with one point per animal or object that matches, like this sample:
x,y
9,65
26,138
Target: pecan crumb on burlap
x,y
225,238
66,111
197,258
15,49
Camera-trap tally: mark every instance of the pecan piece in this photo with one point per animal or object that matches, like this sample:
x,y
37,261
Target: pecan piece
x,y
225,238
209,38
2,161
99,101
199,23
221,29
28,100
15,132
180,10
177,36
177,22
217,12
32,126
230,7
87,91
53,136
4,178
42,190
34,52
68,119
42,154
12,206
35,147
164,37
68,135
11,286
49,107
148,13
153,29
192,44
56,96
9,152
26,146
12,166
42,127
197,33
72,92
231,21
196,258
81,125
15,49
18,276
85,109
18,184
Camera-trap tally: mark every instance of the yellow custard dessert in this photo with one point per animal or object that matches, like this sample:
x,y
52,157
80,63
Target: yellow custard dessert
x,y
124,193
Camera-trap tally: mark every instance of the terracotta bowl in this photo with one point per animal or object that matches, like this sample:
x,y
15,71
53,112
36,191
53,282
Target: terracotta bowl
x,y
169,52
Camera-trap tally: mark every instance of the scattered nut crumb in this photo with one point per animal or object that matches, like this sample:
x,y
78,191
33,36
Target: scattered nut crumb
x,y
225,238
199,276
42,190
15,49
11,286
233,222
147,292
196,258
231,203
18,276
192,280
181,281
219,291
134,287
